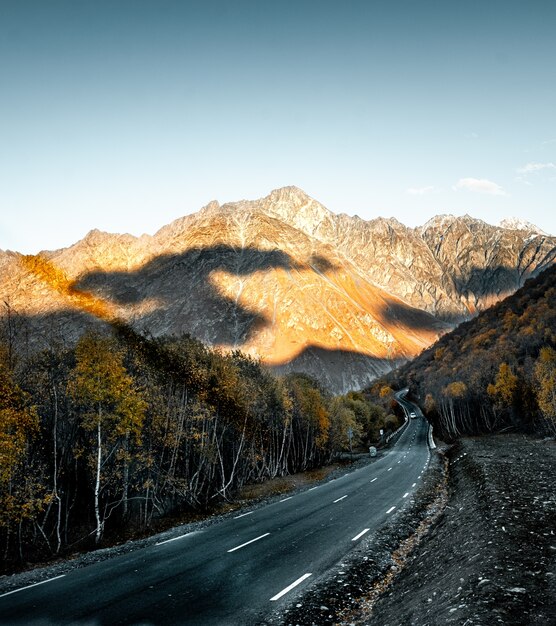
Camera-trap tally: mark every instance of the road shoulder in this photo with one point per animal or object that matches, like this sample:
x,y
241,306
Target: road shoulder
x,y
491,558
479,548
348,592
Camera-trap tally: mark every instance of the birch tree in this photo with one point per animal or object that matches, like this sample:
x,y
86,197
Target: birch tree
x,y
22,495
112,410
545,375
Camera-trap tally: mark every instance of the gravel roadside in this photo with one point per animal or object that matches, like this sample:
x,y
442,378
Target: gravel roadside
x,y
491,558
477,546
347,593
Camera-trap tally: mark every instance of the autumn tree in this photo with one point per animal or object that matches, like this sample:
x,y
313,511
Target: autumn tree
x,y
310,422
504,388
343,425
503,392
112,408
545,376
385,391
450,407
22,495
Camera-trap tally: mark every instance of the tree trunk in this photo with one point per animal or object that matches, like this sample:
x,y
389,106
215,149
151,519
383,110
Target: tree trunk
x,y
55,473
97,482
126,475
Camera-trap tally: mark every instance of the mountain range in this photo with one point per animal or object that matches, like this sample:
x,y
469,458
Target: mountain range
x,y
281,278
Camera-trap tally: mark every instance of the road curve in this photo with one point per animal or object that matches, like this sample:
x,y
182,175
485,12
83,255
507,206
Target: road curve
x,y
238,570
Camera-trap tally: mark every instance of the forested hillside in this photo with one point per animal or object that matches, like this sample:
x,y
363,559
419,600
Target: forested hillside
x,y
122,430
494,372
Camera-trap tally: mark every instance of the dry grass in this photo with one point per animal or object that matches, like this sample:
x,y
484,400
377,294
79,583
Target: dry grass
x,y
285,484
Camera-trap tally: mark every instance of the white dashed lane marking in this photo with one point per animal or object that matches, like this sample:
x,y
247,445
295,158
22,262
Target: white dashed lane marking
x,y
366,530
248,542
289,587
243,515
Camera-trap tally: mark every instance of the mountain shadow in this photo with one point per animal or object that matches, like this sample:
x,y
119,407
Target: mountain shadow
x,y
339,371
480,287
417,320
174,293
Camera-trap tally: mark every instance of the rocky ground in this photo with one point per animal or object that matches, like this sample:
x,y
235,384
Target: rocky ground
x,y
477,546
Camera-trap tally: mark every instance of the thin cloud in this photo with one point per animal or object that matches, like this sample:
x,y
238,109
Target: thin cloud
x,y
480,185
420,191
531,168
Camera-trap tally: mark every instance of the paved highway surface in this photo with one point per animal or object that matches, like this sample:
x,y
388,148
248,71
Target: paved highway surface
x,y
238,570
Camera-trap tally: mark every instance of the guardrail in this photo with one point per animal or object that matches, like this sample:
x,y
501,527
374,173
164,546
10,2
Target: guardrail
x,y
432,445
399,429
401,395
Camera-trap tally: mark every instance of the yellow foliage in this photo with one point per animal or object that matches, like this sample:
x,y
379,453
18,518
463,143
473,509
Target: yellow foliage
x,y
385,391
545,374
456,389
439,353
504,388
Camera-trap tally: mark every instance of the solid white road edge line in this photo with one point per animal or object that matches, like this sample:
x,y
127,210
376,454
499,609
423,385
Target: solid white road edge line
x,y
338,500
290,587
361,534
33,585
313,488
390,510
243,515
248,542
288,498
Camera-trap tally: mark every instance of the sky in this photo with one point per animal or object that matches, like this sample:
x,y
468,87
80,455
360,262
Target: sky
x,y
123,115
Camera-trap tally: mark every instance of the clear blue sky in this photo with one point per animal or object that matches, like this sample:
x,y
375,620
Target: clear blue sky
x,y
124,115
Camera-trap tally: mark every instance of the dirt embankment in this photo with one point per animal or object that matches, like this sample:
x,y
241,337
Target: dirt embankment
x,y
477,546
491,558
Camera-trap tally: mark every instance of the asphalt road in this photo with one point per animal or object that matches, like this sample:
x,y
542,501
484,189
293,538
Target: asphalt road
x,y
238,570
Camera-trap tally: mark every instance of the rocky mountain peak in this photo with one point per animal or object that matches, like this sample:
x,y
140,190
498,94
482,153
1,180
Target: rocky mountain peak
x,y
443,221
289,194
514,223
299,210
287,281
211,207
387,224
